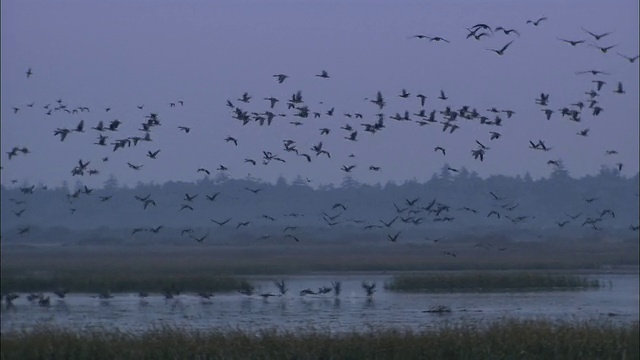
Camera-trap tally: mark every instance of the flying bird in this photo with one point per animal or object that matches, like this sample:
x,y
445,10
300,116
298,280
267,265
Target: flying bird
x,y
323,74
536,22
280,77
502,50
572,42
596,36
631,59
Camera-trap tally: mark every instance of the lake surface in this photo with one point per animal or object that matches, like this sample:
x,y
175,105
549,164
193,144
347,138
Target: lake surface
x,y
617,301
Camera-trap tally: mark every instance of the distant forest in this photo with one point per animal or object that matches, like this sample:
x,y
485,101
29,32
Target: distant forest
x,y
449,204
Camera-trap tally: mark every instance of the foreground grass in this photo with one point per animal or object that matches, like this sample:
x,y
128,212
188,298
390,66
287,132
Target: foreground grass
x,y
506,340
507,281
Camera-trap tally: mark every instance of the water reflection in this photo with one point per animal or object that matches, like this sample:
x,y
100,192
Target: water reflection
x,y
349,310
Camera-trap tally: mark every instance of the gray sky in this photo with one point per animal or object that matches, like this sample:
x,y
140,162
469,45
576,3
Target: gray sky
x,y
122,54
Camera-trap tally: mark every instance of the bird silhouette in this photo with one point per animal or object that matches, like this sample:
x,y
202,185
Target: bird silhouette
x,y
394,238
280,78
502,50
572,42
323,74
537,22
596,36
629,58
221,223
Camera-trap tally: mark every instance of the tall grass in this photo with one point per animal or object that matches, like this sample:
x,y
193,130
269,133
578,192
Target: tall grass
x,y
506,340
497,281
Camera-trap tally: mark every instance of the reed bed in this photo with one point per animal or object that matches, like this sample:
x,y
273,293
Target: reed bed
x,y
509,339
485,282
117,283
213,268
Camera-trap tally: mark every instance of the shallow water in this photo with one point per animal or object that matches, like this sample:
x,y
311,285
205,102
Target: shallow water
x,y
616,302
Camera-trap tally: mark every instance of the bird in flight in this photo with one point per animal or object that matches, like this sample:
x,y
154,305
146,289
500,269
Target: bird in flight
x,y
280,77
501,51
596,36
572,42
592,72
603,49
438,38
631,59
323,74
506,31
619,89
537,22
394,238
29,73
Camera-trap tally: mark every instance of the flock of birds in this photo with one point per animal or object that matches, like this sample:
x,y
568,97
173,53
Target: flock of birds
x,y
297,112
173,292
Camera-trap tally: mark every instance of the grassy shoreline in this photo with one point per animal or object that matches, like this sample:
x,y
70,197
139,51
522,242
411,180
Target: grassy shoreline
x,y
486,282
215,269
536,339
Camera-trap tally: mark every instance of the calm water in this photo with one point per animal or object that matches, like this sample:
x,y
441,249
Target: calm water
x,y
352,310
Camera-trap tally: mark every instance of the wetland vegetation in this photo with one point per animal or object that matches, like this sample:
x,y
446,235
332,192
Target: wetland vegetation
x,y
508,339
489,281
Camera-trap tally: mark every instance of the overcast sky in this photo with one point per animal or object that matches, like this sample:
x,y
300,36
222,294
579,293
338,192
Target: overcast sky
x,y
124,54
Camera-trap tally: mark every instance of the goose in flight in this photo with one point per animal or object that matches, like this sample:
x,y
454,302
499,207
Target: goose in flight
x,y
134,167
221,223
280,78
243,223
231,139
323,74
422,98
572,42
583,132
438,39
502,50
212,197
537,22
603,49
153,154
346,168
199,239
506,31
29,73
352,136
596,36
619,89
388,224
289,236
475,35
379,100
394,238
185,206
190,198
631,59
245,97
441,149
592,72
272,100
